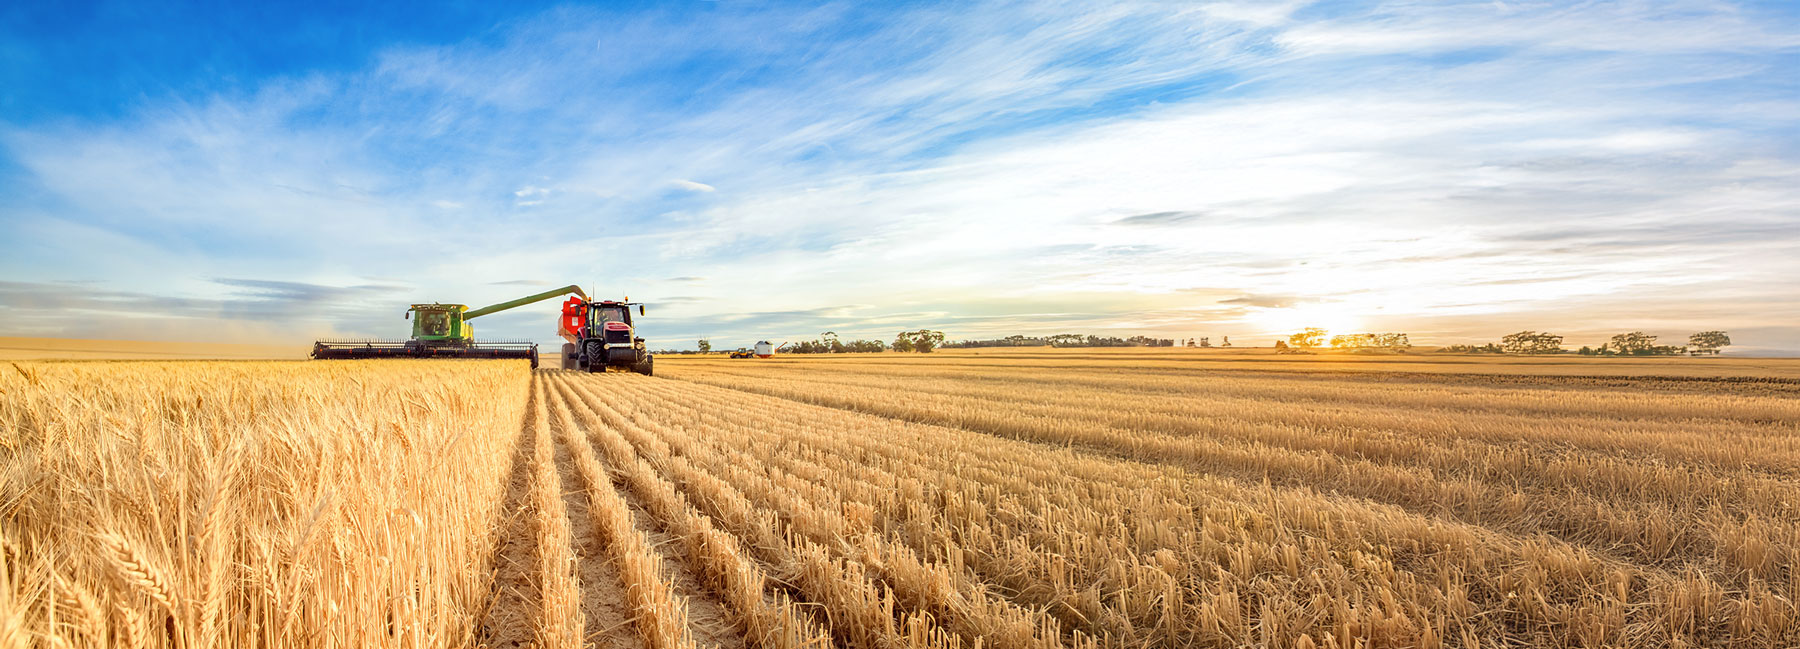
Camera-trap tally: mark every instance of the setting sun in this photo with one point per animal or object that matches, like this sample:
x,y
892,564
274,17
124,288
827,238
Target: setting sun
x,y
1334,318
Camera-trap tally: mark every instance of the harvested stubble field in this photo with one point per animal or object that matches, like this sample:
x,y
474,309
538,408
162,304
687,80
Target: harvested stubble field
x,y
1012,500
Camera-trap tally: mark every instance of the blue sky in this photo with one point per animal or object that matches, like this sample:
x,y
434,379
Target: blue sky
x,y
759,170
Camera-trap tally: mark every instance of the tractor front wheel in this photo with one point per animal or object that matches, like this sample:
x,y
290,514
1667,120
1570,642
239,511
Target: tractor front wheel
x,y
596,356
644,367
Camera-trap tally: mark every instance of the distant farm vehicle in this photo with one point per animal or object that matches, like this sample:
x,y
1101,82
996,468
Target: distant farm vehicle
x,y
601,336
763,349
443,331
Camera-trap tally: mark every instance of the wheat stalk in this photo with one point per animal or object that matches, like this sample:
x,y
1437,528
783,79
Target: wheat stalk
x,y
137,572
83,606
217,561
131,627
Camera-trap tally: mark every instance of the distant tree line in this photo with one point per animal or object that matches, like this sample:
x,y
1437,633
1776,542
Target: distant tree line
x,y
921,341
835,347
828,343
1078,340
1314,337
1396,342
1062,340
1636,343
1009,341
1489,348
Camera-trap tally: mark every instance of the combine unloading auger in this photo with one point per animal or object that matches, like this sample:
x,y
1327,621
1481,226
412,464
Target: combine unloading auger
x,y
443,331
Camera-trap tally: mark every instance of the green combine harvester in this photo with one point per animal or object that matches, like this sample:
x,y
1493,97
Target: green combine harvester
x,y
443,331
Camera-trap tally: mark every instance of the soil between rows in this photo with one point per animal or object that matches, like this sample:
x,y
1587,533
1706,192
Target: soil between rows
x,y
514,600
607,614
709,620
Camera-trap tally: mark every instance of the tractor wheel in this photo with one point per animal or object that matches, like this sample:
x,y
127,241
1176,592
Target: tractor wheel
x,y
596,356
644,367
571,359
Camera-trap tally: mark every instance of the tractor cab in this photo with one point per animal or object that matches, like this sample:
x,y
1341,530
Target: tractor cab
x,y
440,323
604,312
611,320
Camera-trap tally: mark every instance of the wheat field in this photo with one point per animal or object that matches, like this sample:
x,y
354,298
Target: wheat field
x,y
954,500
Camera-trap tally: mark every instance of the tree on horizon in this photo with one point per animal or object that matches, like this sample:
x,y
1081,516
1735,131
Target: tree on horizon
x,y
1709,342
1308,338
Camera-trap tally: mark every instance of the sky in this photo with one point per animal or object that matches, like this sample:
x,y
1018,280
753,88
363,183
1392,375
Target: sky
x,y
261,172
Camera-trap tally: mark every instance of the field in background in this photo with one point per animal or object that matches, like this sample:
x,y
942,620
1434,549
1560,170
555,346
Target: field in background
x,y
13,348
1012,498
1267,360
1240,358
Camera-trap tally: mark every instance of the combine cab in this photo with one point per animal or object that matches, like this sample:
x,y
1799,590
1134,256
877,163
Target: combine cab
x,y
442,331
601,336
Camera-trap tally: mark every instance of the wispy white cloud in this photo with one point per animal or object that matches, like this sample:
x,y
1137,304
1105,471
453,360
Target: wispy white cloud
x,y
529,195
1679,27
1259,13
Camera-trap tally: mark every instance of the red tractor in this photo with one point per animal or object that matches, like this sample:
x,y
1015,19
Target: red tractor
x,y
600,336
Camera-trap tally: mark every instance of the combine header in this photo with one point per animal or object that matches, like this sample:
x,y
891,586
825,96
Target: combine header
x,y
443,331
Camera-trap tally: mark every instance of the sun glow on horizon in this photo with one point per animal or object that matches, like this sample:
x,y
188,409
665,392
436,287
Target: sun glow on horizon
x,y
1333,318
